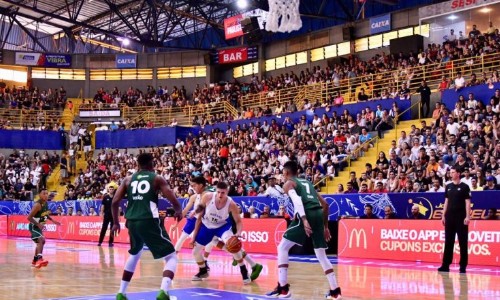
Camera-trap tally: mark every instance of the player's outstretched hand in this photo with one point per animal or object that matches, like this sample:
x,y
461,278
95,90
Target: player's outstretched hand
x,y
115,230
328,236
178,216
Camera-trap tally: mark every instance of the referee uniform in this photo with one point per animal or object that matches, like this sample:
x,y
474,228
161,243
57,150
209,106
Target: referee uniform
x,y
107,219
456,196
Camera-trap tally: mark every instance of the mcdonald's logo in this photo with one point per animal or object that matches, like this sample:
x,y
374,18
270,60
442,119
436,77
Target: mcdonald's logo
x,y
71,228
358,234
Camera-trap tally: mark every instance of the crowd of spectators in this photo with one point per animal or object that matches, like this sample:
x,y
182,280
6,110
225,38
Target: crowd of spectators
x,y
22,175
420,160
33,98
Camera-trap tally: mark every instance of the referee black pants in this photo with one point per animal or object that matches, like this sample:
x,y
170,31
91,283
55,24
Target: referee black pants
x,y
454,228
107,221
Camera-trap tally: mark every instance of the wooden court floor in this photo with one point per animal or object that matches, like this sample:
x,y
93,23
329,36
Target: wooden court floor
x,y
82,270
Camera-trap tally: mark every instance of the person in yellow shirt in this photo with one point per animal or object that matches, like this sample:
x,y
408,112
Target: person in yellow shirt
x,y
474,186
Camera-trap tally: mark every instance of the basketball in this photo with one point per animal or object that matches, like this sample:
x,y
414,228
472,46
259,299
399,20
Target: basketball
x,y
233,245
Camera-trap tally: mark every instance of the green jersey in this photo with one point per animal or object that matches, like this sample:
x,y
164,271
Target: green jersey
x,y
41,215
307,193
142,198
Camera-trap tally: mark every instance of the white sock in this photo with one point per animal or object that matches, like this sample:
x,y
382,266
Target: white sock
x,y
283,276
249,260
123,286
170,265
327,267
198,257
332,280
180,241
130,266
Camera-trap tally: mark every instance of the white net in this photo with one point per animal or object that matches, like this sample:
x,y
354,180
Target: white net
x,y
283,16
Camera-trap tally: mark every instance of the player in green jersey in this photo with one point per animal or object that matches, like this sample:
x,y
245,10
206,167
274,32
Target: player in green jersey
x,y
37,217
144,224
311,220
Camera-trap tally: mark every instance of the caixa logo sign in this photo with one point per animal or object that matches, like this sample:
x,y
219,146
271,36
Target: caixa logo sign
x,y
255,236
380,24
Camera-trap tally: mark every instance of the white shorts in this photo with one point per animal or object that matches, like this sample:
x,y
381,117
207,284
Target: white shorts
x,y
87,149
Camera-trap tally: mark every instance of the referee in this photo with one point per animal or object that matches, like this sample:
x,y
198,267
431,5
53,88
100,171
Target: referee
x,y
456,218
107,218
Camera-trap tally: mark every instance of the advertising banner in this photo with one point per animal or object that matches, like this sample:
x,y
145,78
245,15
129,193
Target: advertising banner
x,y
99,113
261,236
43,60
380,24
124,61
233,55
232,26
451,6
72,228
415,240
3,225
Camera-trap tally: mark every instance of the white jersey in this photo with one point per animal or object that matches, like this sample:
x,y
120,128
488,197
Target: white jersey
x,y
216,218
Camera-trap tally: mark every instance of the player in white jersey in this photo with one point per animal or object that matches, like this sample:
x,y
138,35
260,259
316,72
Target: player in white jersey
x,y
214,221
199,185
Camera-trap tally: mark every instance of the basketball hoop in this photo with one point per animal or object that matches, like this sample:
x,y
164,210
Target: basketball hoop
x,y
283,16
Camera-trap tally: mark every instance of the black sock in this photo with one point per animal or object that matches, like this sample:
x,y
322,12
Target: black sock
x,y
244,271
35,258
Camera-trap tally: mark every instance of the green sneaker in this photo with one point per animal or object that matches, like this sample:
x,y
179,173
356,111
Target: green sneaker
x,y
256,271
162,295
121,296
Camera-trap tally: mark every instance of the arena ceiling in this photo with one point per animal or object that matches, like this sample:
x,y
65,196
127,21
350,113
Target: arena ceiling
x,y
193,24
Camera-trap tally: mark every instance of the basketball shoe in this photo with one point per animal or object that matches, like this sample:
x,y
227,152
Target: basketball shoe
x,y
121,296
256,271
162,295
334,294
40,262
280,292
203,273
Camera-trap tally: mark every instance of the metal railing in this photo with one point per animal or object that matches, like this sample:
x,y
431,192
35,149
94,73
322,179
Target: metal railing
x,y
360,150
396,121
20,117
375,84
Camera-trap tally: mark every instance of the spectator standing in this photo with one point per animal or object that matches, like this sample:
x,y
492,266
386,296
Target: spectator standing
x,y
425,98
456,218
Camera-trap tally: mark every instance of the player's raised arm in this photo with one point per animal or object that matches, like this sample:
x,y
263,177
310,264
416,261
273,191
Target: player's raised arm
x,y
162,186
31,217
189,205
289,189
115,204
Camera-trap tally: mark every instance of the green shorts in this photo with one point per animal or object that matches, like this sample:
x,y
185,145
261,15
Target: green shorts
x,y
36,232
296,233
152,233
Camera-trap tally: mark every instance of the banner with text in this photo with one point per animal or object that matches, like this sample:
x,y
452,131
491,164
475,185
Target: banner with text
x,y
43,60
100,113
380,24
233,55
124,61
451,6
232,26
415,240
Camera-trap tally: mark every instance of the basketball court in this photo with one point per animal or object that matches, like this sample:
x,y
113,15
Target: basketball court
x,y
80,270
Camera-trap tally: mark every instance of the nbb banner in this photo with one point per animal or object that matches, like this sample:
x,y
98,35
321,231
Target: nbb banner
x,y
258,236
232,26
43,60
419,240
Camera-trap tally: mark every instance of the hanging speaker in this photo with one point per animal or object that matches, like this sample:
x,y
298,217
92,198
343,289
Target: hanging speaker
x,y
251,30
